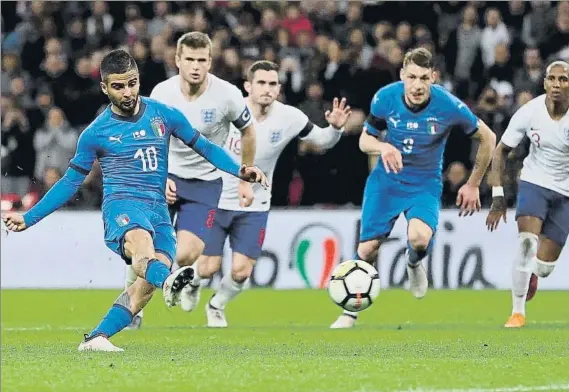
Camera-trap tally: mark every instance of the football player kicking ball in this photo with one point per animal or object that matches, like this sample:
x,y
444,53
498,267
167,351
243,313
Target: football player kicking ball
x,y
130,140
276,124
417,116
194,185
542,212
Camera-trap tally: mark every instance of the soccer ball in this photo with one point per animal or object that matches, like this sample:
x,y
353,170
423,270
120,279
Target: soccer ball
x,y
354,285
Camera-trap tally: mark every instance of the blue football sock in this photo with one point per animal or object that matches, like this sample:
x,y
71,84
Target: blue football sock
x,y
156,273
415,256
114,321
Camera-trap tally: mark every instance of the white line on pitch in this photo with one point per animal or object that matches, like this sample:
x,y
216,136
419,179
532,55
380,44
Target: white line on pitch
x,y
521,388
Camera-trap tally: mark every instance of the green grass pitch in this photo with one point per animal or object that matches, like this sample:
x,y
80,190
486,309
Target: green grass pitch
x,y
280,341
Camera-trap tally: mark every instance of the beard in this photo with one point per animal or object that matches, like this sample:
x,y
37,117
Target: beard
x,y
128,107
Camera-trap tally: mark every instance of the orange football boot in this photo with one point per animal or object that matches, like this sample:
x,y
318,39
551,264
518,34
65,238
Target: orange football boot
x,y
516,320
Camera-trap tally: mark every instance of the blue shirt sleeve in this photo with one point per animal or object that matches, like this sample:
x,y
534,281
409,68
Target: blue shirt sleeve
x,y
57,196
183,130
79,166
463,117
377,114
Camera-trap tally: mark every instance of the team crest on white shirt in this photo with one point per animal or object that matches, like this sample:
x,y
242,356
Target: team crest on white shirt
x,y
208,116
275,136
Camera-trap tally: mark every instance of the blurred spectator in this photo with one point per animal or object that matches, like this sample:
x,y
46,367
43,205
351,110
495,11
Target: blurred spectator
x,y
558,39
493,34
530,76
502,70
55,143
538,22
455,177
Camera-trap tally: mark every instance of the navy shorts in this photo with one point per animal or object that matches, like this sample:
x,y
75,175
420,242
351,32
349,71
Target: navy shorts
x,y
196,207
549,206
385,199
121,216
246,231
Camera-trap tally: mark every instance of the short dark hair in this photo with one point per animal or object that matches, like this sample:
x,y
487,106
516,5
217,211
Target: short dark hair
x,y
419,56
117,62
262,65
193,40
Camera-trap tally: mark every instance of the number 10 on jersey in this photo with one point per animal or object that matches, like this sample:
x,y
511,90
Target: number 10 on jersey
x,y
149,158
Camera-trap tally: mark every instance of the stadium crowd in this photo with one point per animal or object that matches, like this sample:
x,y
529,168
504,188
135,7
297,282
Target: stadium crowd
x,y
491,55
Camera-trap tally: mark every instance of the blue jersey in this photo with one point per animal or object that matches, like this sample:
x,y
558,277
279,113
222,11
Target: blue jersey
x,y
133,154
420,136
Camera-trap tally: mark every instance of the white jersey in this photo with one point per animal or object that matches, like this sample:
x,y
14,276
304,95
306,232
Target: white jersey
x,y
212,113
282,124
547,164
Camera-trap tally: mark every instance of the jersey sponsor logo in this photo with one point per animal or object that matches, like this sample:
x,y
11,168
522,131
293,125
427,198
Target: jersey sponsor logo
x,y
208,116
275,136
412,125
122,220
158,127
139,134
317,241
115,139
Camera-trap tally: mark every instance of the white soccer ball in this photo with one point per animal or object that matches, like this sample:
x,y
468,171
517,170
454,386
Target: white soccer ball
x,y
354,285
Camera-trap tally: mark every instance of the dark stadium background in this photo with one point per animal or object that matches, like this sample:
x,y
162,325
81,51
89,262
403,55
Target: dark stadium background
x,y
490,54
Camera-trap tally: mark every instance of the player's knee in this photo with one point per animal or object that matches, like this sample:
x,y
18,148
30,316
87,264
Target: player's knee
x,y
138,243
187,256
528,245
242,268
367,250
208,266
544,268
419,239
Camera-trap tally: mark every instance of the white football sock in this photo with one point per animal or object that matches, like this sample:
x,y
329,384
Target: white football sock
x,y
130,278
522,270
197,278
228,289
544,268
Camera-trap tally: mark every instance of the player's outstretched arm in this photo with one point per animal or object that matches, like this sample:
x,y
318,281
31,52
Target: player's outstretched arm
x,y
57,196
329,136
63,189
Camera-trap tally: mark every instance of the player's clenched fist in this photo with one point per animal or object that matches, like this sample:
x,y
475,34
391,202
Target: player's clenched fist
x,y
253,174
391,157
14,221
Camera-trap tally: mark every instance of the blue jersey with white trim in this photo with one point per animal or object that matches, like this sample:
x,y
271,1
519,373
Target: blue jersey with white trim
x,y
133,154
132,151
420,135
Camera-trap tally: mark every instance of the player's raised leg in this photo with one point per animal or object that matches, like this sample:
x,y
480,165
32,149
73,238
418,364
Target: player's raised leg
x,y
554,234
